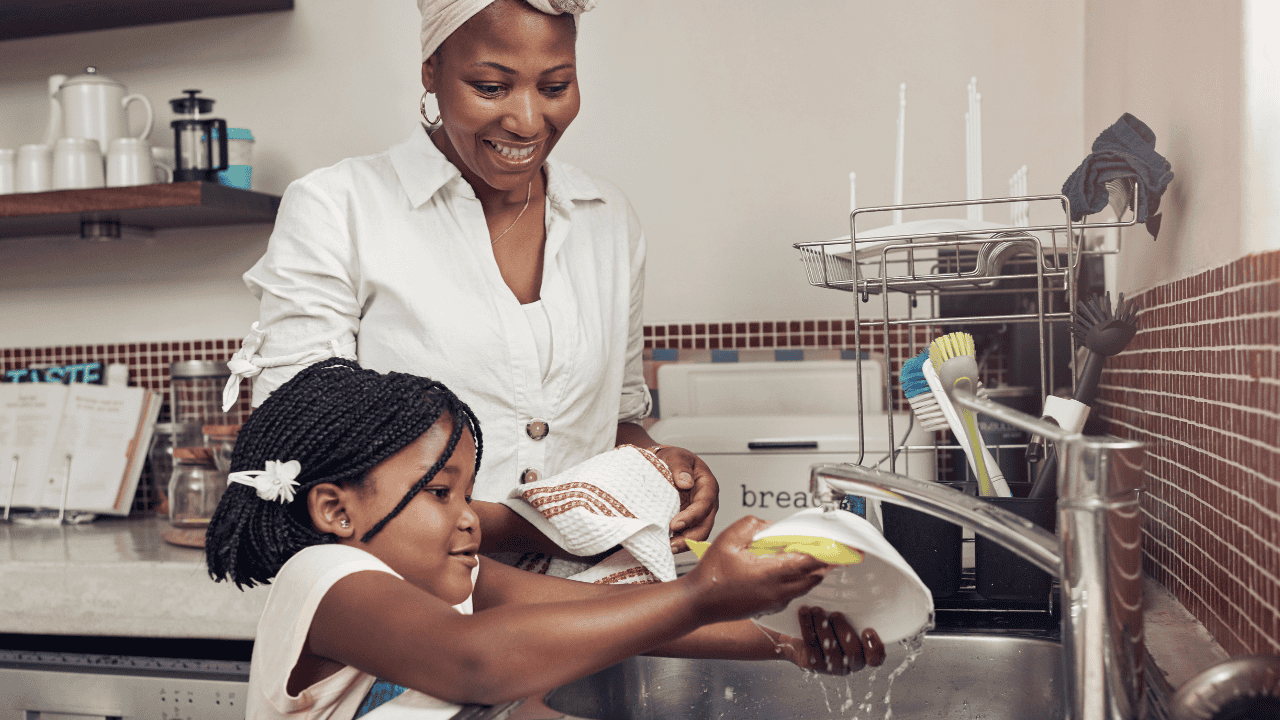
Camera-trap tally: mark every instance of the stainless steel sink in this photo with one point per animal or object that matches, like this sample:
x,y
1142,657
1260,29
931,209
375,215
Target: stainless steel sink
x,y
993,677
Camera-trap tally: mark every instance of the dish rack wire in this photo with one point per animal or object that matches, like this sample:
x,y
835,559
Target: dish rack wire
x,y
929,265
925,266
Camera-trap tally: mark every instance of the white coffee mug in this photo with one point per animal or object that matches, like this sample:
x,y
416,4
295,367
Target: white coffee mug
x,y
130,162
164,155
77,163
34,171
7,166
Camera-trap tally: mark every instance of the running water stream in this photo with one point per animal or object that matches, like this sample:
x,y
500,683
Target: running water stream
x,y
864,710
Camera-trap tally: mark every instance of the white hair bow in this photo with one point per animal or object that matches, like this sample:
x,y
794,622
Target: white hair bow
x,y
276,482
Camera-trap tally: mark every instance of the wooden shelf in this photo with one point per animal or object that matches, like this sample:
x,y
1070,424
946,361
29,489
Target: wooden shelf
x,y
168,205
35,18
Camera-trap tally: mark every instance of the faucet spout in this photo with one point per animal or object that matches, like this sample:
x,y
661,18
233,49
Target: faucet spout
x,y
1019,535
1097,554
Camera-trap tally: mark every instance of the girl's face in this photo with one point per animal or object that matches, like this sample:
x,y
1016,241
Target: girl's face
x,y
433,542
507,88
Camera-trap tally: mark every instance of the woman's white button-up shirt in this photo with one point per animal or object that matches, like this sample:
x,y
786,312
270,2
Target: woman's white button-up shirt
x,y
389,256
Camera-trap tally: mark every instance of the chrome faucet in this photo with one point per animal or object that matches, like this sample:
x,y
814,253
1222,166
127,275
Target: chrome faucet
x,y
1097,554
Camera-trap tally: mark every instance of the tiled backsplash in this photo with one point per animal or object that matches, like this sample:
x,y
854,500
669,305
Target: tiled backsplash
x,y
1201,384
786,340
693,342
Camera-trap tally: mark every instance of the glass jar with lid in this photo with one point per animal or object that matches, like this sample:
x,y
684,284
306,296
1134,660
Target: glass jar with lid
x,y
195,393
195,487
164,439
195,404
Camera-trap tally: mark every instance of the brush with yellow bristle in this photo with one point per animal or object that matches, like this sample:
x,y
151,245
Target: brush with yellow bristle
x,y
952,357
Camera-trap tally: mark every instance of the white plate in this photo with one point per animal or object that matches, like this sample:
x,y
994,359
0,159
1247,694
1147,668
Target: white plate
x,y
882,592
990,245
928,231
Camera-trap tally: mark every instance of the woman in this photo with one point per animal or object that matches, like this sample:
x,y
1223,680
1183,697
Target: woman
x,y
468,241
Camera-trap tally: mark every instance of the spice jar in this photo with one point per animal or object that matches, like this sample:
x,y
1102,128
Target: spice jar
x,y
195,487
221,439
164,439
160,460
195,393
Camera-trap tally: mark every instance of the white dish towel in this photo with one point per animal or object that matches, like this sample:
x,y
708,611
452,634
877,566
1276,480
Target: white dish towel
x,y
626,497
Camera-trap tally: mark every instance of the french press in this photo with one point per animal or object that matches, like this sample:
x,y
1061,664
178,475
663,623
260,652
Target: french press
x,y
196,157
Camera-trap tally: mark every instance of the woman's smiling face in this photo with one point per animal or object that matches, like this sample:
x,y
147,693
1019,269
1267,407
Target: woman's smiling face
x,y
506,84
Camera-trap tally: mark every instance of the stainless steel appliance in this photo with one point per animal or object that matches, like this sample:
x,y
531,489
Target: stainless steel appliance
x,y
55,685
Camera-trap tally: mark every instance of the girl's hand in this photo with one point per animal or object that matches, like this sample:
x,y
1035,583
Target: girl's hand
x,y
699,496
731,582
830,645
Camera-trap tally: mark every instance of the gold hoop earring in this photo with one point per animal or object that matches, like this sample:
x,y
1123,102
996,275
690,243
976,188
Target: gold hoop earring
x,y
423,109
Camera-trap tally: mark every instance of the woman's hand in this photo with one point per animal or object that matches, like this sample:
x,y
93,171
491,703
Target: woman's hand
x,y
699,496
830,644
730,582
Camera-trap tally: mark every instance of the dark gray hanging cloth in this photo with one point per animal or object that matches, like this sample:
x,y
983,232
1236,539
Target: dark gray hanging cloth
x,y
1124,150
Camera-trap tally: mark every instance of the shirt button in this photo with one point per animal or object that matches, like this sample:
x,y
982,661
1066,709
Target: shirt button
x,y
537,428
528,476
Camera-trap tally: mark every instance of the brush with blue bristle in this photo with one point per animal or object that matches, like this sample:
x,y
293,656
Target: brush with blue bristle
x,y
934,412
916,388
918,391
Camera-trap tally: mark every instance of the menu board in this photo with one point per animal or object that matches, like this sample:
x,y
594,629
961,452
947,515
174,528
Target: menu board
x,y
86,443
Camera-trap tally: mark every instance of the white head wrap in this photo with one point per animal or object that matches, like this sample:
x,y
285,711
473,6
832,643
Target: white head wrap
x,y
441,17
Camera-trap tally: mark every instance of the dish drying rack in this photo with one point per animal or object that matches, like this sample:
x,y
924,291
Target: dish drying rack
x,y
925,262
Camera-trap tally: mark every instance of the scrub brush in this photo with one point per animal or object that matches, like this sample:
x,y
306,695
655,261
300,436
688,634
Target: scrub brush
x,y
1103,334
916,388
934,411
952,358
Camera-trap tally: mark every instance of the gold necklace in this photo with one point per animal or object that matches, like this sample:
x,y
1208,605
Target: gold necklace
x,y
528,193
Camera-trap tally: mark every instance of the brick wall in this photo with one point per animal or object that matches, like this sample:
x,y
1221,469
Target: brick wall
x,y
1200,384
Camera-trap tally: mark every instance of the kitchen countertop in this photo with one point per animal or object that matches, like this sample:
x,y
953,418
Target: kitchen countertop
x,y
116,577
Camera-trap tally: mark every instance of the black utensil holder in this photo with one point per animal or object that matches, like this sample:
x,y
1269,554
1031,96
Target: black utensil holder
x,y
930,545
999,574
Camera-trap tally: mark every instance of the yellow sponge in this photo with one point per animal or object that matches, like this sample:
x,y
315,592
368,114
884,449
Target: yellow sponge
x,y
826,550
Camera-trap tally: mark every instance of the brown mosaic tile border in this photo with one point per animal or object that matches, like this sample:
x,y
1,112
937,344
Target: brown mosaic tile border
x,y
695,342
1201,385
828,333
813,339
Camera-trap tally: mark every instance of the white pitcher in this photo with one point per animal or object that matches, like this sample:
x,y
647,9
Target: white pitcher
x,y
95,106
54,130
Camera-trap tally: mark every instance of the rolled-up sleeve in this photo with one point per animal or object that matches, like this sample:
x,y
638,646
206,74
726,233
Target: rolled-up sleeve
x,y
636,403
307,284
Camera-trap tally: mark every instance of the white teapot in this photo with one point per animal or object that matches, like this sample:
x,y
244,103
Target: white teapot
x,y
95,106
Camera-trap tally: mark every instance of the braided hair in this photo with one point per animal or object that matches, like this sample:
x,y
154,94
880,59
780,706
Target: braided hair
x,y
338,421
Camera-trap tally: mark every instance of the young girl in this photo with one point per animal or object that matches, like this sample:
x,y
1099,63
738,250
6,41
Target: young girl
x,y
351,491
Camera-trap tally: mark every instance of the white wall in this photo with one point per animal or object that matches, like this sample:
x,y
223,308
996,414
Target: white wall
x,y
1262,126
1178,67
731,124
331,79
